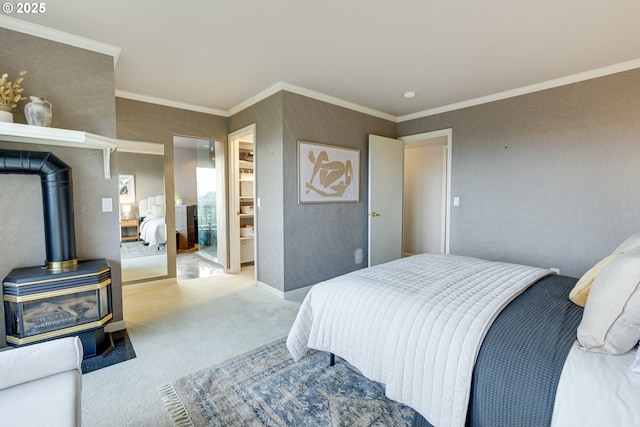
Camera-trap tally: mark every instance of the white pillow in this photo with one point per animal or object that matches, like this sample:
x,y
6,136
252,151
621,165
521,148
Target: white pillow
x,y
157,211
611,319
629,244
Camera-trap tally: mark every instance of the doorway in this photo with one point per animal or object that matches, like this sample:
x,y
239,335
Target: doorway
x,y
200,206
243,224
427,194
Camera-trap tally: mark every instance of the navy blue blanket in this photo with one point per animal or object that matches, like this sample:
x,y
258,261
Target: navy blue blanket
x,y
521,358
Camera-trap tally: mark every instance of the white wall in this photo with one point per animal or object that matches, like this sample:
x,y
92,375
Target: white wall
x,y
423,198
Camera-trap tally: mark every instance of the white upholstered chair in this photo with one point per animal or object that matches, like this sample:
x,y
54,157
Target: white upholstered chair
x,y
41,384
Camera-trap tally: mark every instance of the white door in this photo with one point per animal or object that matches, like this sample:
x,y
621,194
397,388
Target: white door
x,y
386,165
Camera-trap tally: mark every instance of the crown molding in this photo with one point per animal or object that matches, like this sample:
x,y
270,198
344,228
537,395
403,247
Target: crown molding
x,y
280,86
271,90
168,103
60,37
113,51
549,84
337,101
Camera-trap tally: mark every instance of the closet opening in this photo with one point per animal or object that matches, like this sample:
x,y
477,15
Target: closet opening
x,y
243,212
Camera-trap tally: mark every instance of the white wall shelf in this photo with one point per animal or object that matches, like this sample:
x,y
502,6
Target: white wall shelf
x,y
15,132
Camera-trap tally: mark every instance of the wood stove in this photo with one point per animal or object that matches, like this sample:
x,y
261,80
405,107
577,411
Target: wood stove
x,y
64,297
42,304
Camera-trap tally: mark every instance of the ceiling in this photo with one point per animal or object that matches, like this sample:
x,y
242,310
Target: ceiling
x,y
217,54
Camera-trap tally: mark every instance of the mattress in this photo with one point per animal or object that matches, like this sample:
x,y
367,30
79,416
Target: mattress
x,y
527,369
414,325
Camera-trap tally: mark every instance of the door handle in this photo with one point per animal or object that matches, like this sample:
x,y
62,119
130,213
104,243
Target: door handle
x,y
375,214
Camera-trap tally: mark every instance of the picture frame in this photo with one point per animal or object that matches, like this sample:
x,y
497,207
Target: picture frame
x,y
127,188
328,173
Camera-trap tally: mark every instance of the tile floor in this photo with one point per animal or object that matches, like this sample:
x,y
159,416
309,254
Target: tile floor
x,y
189,265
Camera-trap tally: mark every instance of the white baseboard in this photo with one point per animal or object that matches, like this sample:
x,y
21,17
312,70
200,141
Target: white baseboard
x,y
294,295
297,294
270,289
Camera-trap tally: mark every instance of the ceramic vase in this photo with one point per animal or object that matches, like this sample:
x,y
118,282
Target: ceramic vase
x,y
38,112
5,114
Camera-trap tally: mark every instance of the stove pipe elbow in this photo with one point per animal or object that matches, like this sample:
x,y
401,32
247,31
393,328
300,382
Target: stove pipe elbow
x,y
57,201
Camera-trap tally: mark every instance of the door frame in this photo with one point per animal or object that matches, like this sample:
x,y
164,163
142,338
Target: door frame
x,y
234,191
154,149
423,139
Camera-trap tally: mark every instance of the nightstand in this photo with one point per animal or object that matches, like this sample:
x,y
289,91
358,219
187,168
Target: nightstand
x,y
125,234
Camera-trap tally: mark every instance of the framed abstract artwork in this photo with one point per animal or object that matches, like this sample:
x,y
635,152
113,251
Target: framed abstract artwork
x,y
127,188
328,173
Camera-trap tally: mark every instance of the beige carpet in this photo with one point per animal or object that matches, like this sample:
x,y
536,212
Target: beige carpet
x,y
143,267
178,329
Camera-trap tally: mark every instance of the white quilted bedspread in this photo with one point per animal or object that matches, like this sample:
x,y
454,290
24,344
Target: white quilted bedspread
x,y
414,325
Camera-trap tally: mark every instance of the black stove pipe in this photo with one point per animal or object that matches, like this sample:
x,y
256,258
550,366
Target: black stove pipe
x,y
57,201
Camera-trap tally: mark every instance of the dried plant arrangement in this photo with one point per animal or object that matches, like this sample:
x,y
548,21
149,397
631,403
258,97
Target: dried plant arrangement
x,y
11,92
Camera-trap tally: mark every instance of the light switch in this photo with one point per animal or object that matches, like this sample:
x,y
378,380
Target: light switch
x,y
358,255
456,201
107,204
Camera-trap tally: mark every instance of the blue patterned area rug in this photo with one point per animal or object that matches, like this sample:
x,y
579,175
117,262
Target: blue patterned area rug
x,y
265,387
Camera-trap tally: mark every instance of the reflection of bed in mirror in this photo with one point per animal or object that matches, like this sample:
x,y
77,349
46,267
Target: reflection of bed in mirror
x,y
153,230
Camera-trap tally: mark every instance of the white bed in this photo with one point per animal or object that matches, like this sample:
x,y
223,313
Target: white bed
x,y
153,229
416,325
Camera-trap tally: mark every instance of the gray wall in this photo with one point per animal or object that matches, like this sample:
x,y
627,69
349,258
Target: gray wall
x,y
268,158
79,83
141,121
80,86
321,238
549,178
300,245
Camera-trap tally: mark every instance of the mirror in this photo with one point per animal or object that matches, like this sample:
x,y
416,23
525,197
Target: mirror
x,y
199,180
143,245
